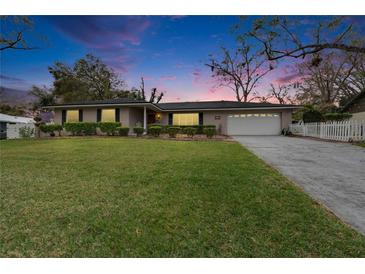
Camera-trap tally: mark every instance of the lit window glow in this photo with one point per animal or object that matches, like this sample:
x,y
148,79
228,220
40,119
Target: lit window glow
x,y
185,119
72,116
108,115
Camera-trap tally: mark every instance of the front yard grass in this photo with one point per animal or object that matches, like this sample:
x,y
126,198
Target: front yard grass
x,y
128,197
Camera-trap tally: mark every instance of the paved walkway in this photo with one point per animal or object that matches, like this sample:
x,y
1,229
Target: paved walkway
x,y
332,173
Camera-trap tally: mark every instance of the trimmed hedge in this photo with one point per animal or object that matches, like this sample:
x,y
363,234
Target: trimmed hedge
x,y
190,131
89,128
155,130
75,128
51,128
138,130
81,128
210,131
163,127
312,116
110,128
199,128
336,116
173,131
123,131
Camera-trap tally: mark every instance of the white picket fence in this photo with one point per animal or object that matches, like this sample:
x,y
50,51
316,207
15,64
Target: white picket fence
x,y
345,131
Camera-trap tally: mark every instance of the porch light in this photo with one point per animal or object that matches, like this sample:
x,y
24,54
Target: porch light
x,y
158,116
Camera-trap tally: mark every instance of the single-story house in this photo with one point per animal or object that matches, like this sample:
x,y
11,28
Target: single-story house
x,y
229,117
10,125
356,106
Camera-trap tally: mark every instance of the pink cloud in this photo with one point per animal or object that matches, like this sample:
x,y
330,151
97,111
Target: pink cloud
x,y
113,38
290,78
197,76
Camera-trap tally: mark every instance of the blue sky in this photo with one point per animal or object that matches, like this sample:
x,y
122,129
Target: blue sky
x,y
168,51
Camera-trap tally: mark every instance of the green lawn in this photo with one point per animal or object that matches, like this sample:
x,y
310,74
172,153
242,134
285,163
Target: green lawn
x,y
120,197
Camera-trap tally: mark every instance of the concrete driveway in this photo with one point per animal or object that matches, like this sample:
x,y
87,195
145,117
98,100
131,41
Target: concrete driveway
x,y
332,173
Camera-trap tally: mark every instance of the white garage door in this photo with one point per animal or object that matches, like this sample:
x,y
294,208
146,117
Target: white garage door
x,y
254,124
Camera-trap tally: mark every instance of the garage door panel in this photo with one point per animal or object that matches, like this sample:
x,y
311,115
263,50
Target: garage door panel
x,y
254,124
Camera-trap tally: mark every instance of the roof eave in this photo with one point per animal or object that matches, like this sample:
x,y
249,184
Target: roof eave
x,y
101,105
229,109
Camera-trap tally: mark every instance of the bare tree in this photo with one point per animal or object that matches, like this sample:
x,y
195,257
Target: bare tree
x,y
141,88
155,96
241,71
356,80
12,33
281,36
325,84
281,93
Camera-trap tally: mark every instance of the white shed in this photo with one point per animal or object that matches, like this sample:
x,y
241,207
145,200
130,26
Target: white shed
x,y
10,125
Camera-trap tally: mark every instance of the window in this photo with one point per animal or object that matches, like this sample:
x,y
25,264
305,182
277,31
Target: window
x,y
108,115
72,116
185,119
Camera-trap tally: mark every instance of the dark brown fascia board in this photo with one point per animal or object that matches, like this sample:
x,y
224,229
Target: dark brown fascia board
x,y
171,110
102,105
229,109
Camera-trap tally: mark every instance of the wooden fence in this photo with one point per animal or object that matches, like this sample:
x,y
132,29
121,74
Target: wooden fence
x,y
345,131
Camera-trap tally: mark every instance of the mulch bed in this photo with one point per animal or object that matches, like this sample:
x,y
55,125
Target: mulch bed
x,y
184,137
179,137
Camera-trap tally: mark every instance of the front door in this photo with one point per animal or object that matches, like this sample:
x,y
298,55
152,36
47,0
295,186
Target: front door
x,y
151,118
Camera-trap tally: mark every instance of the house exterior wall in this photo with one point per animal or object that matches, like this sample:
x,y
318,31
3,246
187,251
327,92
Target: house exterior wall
x,y
130,116
124,116
57,116
12,129
219,117
135,116
90,115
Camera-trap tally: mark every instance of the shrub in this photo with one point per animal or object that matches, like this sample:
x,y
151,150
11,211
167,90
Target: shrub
x,y
74,128
89,128
123,131
209,131
81,128
336,116
51,128
172,131
110,128
155,130
199,128
163,127
26,132
138,130
190,131
312,116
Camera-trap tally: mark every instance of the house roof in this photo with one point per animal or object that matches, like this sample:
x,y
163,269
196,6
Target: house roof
x,y
353,100
15,119
104,102
220,105
179,106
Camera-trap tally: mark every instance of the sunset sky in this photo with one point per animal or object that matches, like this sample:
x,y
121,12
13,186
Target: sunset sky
x,y
168,51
